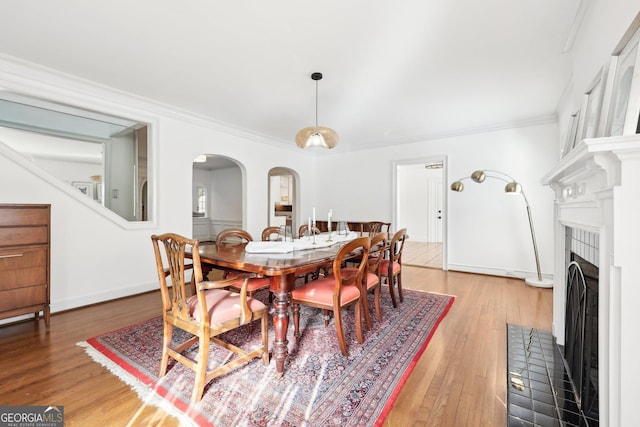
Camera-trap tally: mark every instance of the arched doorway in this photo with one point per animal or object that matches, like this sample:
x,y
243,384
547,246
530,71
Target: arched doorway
x,y
217,196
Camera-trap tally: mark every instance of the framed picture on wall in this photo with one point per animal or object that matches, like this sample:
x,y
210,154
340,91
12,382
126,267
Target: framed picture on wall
x,y
85,188
624,108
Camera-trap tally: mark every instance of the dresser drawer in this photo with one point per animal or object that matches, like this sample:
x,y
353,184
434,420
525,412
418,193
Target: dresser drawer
x,y
22,297
10,236
23,215
23,267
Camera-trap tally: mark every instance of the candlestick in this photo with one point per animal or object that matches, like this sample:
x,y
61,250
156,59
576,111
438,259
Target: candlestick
x,y
314,217
309,230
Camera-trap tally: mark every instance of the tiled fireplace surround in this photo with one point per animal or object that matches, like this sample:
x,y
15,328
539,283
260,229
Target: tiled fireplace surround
x,y
597,189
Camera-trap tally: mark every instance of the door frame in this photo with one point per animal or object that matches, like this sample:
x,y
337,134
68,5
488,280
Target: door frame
x,y
445,204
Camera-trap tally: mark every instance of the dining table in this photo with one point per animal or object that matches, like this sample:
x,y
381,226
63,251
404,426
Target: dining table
x,y
283,262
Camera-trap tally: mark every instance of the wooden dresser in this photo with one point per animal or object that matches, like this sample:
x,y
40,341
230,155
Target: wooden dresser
x,y
24,260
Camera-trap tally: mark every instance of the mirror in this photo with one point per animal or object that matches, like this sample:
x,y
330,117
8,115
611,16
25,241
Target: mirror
x,y
102,156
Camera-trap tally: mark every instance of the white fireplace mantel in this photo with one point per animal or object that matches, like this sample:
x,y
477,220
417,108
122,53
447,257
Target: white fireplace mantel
x,y
597,188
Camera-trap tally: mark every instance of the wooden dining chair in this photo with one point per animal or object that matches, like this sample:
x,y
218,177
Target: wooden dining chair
x,y
372,227
372,279
205,315
335,292
391,267
236,237
304,230
271,233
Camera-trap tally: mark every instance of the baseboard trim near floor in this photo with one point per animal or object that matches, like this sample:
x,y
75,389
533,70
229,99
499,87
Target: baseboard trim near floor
x,y
413,264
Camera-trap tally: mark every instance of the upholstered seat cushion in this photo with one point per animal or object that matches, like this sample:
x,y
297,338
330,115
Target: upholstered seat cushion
x,y
254,284
321,292
372,278
222,305
384,267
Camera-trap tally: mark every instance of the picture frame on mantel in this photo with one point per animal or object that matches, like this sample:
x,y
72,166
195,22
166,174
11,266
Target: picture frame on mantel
x,y
591,108
624,103
572,132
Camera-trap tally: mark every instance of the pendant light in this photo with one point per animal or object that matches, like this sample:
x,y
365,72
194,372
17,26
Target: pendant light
x,y
316,136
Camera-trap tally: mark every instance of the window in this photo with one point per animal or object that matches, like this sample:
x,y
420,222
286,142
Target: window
x,y
201,202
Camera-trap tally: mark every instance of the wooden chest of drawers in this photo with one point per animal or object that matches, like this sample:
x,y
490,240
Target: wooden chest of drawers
x,y
24,260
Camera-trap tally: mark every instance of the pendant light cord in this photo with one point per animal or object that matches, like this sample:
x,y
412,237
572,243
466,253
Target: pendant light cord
x,y
316,103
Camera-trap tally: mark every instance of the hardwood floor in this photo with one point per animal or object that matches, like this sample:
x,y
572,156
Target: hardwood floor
x,y
460,380
422,254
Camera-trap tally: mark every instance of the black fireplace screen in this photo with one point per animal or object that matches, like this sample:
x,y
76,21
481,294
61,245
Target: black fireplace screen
x,y
581,332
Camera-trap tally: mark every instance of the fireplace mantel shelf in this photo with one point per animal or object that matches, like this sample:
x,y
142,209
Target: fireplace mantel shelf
x,y
590,155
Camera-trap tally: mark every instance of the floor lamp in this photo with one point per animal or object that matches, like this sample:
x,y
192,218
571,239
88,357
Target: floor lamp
x,y
512,187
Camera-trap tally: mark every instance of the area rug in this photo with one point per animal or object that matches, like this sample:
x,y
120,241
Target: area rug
x,y
319,387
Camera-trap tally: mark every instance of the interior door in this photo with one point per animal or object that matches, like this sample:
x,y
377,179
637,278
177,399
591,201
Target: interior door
x,y
434,209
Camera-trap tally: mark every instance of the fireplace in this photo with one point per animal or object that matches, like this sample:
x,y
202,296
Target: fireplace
x,y
597,193
581,332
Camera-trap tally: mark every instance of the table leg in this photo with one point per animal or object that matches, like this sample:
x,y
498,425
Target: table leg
x,y
281,325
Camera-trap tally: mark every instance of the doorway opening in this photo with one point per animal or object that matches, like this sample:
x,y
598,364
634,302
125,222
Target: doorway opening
x,y
217,196
282,198
420,207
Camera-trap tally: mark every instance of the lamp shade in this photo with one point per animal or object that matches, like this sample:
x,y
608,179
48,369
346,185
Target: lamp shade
x,y
513,187
316,136
478,176
457,186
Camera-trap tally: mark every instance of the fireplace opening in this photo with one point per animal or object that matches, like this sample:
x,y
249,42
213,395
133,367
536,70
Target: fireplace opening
x,y
581,332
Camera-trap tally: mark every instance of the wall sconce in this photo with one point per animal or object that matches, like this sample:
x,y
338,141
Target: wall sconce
x,y
512,187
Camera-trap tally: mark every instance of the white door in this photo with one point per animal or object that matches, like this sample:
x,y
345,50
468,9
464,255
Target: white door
x,y
434,209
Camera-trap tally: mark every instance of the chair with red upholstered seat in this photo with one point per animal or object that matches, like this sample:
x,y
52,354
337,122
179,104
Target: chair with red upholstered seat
x,y
391,267
335,292
205,315
372,278
233,237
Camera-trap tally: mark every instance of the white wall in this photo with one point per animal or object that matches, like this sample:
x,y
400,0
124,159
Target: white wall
x,y
226,185
488,231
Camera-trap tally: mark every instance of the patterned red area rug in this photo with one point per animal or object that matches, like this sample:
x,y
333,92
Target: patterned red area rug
x,y
319,387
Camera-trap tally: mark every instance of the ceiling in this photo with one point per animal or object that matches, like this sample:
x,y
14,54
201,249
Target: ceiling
x,y
394,72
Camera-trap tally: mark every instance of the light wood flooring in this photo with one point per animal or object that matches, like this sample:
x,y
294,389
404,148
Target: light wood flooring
x,y
422,254
460,379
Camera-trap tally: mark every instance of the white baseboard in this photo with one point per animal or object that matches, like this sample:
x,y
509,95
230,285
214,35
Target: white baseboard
x,y
111,294
71,303
491,271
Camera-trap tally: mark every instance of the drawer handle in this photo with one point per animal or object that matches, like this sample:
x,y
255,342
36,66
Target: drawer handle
x,y
11,256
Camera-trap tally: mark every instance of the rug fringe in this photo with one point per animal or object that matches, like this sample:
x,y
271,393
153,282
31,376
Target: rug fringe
x,y
434,293
144,392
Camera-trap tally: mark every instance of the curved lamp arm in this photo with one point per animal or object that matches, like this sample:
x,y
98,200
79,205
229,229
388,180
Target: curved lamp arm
x,y
511,187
